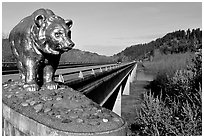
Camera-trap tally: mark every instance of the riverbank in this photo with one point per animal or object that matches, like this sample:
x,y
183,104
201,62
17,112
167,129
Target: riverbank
x,y
131,103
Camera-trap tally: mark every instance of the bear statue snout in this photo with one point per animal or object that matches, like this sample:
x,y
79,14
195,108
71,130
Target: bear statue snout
x,y
71,45
66,46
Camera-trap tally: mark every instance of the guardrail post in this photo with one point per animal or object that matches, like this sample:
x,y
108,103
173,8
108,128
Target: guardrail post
x,y
117,106
61,78
92,72
81,74
106,69
101,70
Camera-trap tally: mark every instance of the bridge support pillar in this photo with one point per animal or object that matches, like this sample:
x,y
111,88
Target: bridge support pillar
x,y
133,73
117,105
127,86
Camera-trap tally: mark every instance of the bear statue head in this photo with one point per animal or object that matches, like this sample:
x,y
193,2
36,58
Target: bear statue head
x,y
52,33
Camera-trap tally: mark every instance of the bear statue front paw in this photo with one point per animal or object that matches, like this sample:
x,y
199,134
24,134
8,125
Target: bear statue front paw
x,y
31,87
50,85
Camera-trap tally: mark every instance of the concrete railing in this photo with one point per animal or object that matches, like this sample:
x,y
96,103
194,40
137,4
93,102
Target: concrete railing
x,y
71,114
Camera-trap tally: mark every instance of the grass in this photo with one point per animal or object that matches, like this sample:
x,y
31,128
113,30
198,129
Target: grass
x,y
168,63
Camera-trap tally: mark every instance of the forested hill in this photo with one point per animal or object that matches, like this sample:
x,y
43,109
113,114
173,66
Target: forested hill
x,y
74,55
175,42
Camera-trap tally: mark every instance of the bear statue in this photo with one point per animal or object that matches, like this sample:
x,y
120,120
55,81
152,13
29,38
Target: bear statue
x,y
37,43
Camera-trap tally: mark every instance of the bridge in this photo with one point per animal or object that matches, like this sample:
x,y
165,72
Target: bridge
x,y
103,84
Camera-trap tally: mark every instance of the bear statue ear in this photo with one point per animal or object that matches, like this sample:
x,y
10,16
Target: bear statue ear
x,y
69,23
39,20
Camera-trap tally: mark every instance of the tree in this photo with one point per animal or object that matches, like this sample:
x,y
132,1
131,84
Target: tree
x,y
4,35
188,34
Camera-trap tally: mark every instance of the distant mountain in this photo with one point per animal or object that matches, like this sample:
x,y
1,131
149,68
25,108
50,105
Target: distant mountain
x,y
175,42
74,55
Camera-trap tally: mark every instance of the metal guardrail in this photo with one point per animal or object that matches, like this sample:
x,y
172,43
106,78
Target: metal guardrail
x,y
13,69
90,81
13,64
6,64
91,69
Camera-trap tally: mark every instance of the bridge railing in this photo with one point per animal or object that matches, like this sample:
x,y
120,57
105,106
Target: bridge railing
x,y
7,65
11,67
91,71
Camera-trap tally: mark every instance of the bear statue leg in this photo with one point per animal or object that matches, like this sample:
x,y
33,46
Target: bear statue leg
x,y
30,75
48,78
21,71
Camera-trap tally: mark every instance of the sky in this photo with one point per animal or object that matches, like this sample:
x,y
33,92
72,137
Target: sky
x,y
107,28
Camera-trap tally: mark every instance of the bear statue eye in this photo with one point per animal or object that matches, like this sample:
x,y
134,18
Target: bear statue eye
x,y
57,34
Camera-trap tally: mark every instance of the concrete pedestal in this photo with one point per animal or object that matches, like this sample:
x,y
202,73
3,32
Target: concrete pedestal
x,y
61,112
